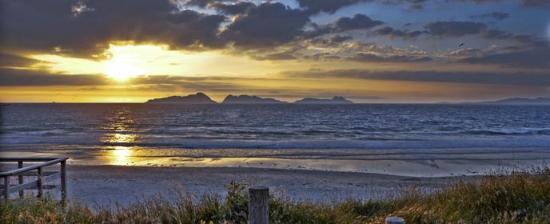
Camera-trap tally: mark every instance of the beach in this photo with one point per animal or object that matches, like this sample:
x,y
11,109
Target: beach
x,y
368,176
111,185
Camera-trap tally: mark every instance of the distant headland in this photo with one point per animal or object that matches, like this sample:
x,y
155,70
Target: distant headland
x,y
197,98
201,98
521,101
334,100
246,99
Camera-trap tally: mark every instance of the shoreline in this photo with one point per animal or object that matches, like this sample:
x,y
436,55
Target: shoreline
x,y
413,163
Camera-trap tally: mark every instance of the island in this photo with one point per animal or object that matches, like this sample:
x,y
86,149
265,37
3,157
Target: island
x,y
247,99
197,98
201,98
521,101
334,100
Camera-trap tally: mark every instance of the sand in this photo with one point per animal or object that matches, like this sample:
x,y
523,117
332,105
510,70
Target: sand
x,y
111,185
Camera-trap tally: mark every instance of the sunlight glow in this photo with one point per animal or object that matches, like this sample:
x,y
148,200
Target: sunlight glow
x,y
120,156
125,60
123,68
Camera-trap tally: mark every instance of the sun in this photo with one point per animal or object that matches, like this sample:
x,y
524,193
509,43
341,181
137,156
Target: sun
x,y
124,64
122,69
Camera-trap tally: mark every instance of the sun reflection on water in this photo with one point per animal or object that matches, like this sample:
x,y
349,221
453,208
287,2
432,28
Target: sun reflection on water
x,y
119,137
121,156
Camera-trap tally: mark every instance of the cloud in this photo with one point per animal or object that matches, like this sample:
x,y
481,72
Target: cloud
x,y
233,9
266,25
455,28
463,28
526,3
330,6
343,24
388,31
164,83
358,21
90,32
492,15
11,60
16,77
535,3
367,57
530,58
527,79
413,4
277,56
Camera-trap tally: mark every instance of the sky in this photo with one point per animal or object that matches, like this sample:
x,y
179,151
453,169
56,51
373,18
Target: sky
x,y
365,50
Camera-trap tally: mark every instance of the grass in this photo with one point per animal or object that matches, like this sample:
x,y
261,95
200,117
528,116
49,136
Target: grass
x,y
517,198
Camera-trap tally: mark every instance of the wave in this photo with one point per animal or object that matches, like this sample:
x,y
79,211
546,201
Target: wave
x,y
508,131
440,143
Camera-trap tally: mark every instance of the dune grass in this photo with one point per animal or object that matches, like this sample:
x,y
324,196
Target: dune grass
x,y
517,198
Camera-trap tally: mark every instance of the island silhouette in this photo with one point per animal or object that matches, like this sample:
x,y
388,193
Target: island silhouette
x,y
201,98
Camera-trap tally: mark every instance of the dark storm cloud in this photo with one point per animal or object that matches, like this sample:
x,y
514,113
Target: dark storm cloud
x,y
455,28
43,25
492,15
527,79
15,77
266,25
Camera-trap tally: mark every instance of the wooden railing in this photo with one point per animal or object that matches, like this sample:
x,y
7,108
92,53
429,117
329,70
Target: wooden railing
x,y
36,169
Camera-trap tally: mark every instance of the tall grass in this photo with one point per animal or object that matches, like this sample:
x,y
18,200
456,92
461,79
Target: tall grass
x,y
516,198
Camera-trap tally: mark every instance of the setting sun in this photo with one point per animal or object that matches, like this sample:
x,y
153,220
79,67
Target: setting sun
x,y
123,69
124,64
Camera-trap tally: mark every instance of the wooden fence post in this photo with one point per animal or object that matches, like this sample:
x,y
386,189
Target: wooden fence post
x,y
258,212
20,178
39,182
6,188
63,183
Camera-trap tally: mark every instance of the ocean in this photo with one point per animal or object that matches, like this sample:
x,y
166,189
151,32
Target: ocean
x,y
168,134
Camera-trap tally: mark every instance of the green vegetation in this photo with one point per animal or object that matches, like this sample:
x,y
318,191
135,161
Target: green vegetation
x,y
516,198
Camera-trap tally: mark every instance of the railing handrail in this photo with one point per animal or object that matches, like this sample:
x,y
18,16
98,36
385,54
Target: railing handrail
x,y
28,159
48,162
